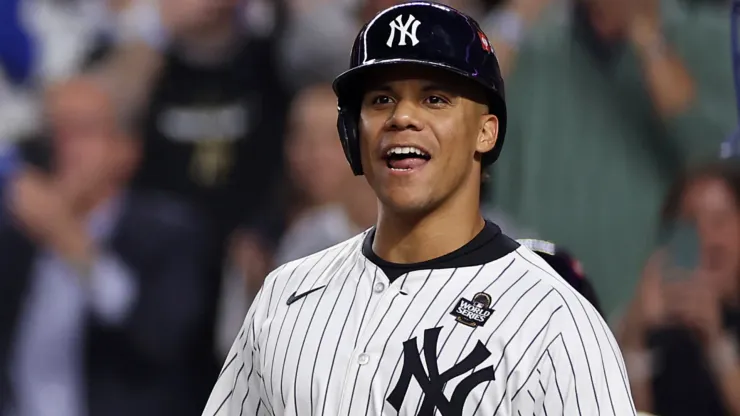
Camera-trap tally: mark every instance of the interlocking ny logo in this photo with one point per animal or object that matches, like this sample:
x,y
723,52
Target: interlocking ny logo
x,y
404,32
432,384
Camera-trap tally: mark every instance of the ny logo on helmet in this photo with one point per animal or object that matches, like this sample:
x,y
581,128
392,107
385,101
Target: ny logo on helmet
x,y
404,32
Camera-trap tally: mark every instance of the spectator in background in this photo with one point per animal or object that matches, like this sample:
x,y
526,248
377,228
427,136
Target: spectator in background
x,y
102,290
316,166
609,101
680,336
337,205
321,204
320,190
215,124
215,113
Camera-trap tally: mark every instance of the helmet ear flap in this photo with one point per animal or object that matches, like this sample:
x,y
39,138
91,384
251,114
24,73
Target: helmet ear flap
x,y
350,137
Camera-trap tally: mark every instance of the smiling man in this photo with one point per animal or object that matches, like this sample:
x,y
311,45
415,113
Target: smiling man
x,y
434,309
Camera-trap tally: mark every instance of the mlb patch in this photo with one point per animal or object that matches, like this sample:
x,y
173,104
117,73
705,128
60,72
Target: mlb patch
x,y
473,313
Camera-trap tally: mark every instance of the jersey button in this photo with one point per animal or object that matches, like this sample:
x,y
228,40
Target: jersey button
x,y
379,287
363,359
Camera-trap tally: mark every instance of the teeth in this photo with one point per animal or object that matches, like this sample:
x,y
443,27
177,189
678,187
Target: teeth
x,y
405,151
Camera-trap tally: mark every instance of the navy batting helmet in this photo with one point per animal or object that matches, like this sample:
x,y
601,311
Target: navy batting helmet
x,y
419,33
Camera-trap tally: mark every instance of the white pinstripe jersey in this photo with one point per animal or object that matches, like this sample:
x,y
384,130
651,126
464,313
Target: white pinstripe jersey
x,y
328,335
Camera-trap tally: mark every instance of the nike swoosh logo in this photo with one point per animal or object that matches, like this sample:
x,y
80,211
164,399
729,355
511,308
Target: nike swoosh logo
x,y
295,297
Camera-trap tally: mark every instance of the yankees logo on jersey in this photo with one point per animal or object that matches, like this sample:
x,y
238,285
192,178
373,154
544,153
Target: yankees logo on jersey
x,y
332,334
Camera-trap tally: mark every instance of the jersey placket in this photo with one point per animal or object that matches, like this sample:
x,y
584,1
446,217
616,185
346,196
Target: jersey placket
x,y
375,340
364,359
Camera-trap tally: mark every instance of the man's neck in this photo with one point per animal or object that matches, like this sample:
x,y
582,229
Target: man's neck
x,y
401,239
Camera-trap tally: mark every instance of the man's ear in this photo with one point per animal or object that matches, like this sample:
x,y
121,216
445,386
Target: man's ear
x,y
488,133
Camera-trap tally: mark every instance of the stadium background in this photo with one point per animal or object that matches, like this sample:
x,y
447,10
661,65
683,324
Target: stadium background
x,y
230,107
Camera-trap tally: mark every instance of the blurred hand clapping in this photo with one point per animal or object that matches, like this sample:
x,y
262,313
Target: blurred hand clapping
x,y
46,216
688,301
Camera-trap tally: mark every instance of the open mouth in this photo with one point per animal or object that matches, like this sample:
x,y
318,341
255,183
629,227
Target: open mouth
x,y
405,158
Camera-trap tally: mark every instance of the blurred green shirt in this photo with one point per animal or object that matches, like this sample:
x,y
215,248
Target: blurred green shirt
x,y
587,161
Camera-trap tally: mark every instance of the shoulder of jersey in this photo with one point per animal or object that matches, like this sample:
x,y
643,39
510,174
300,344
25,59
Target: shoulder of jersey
x,y
332,255
539,268
546,278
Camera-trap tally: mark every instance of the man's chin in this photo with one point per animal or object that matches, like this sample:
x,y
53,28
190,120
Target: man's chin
x,y
406,204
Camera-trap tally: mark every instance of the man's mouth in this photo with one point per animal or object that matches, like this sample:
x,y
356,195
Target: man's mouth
x,y
405,158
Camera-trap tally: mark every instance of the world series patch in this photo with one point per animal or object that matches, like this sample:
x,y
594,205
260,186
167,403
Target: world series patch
x,y
473,313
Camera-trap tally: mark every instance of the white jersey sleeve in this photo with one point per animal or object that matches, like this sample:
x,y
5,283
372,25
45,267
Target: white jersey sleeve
x,y
578,367
574,383
238,390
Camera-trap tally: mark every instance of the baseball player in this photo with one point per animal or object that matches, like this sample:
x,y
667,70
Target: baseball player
x,y
433,310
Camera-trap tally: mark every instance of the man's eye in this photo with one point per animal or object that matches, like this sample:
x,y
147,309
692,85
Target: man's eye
x,y
435,99
381,99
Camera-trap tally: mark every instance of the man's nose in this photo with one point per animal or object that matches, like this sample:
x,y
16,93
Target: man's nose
x,y
405,116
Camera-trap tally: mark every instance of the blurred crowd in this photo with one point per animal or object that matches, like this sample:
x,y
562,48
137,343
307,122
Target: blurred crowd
x,y
159,157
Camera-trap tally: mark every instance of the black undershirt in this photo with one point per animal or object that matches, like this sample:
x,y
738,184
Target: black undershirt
x,y
489,245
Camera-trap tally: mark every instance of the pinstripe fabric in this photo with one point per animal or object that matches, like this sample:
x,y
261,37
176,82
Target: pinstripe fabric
x,y
357,345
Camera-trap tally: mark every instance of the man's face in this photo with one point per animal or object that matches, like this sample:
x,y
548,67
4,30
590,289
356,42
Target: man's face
x,y
711,205
315,157
88,147
422,132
